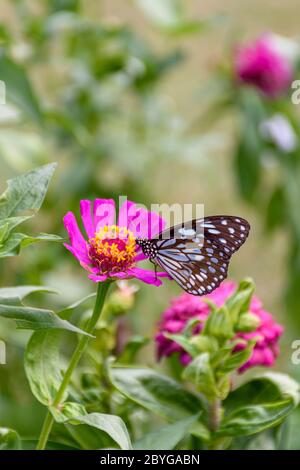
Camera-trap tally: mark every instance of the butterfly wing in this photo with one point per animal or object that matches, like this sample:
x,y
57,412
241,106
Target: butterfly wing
x,y
198,254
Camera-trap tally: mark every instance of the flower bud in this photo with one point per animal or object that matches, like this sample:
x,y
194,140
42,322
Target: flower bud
x,y
248,322
204,343
122,299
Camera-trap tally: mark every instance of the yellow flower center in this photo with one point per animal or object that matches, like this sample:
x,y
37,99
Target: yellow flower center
x,y
112,249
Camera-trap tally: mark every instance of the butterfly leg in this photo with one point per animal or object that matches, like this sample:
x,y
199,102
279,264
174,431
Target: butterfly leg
x,y
155,267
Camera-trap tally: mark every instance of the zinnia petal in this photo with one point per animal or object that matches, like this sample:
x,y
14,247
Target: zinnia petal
x,y
146,276
86,216
75,235
127,211
98,277
146,224
104,213
81,256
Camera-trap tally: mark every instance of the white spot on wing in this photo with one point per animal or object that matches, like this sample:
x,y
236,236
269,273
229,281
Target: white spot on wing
x,y
189,232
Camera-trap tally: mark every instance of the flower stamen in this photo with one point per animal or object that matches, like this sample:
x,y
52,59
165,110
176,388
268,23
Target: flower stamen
x,y
112,249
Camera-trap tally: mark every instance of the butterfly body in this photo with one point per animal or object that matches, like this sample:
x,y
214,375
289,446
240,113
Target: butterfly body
x,y
196,254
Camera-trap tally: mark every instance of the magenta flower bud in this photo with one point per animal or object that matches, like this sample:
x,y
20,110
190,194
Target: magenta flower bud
x,y
264,65
185,307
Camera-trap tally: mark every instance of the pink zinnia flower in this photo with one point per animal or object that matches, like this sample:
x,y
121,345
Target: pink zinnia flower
x,y
187,306
110,249
263,65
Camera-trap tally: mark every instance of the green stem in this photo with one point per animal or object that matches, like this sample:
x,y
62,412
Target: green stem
x,y
214,415
81,346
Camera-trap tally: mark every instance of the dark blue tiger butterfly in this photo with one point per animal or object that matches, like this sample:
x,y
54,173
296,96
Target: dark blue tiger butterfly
x,y
196,254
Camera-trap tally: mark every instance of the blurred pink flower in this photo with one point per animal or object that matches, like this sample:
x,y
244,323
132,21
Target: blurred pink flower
x,y
187,306
110,251
263,65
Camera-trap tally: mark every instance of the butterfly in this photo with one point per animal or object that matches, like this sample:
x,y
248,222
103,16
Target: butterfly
x,y
196,254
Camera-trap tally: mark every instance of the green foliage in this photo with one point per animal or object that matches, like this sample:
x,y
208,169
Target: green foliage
x,y
19,89
41,365
33,318
170,16
93,92
213,349
267,170
200,373
75,414
262,403
155,392
167,437
9,439
24,193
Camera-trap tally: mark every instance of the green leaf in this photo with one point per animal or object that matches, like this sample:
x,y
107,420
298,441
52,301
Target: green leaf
x,y
21,292
114,426
155,392
259,404
200,373
264,387
253,419
190,326
239,301
170,16
236,359
17,241
131,349
18,88
219,324
34,318
184,342
276,209
9,439
68,311
10,223
26,192
166,437
250,147
221,354
42,365
247,163
68,411
285,385
292,434
164,13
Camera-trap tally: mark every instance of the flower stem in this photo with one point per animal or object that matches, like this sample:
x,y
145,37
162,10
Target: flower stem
x,y
81,346
214,415
214,418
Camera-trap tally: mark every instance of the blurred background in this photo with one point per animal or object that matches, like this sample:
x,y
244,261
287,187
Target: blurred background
x,y
120,95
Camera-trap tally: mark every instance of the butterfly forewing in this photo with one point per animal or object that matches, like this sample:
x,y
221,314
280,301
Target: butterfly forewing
x,y
197,254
